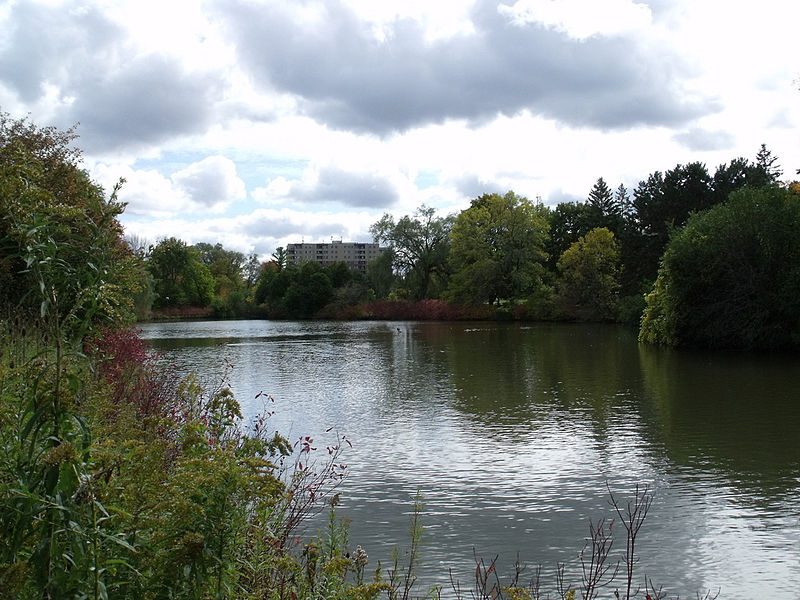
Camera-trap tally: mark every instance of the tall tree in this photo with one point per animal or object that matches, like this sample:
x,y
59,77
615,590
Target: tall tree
x,y
497,249
662,204
623,201
607,210
739,173
280,257
768,165
568,221
588,283
602,198
226,266
379,273
180,278
420,245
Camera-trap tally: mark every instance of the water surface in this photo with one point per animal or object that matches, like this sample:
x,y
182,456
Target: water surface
x,y
514,433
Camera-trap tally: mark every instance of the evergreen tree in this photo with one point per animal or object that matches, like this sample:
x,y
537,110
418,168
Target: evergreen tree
x,y
768,165
602,199
623,200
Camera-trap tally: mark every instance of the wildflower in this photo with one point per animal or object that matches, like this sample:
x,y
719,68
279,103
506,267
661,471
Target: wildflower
x,y
360,557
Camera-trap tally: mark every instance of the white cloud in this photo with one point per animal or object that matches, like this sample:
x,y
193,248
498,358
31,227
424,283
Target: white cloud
x,y
211,184
259,123
207,186
581,19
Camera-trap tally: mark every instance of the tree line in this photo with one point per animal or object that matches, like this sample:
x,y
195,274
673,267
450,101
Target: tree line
x,y
619,255
592,260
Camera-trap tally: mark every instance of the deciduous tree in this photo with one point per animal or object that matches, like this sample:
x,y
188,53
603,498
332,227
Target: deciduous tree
x,y
420,245
497,249
180,278
62,255
588,284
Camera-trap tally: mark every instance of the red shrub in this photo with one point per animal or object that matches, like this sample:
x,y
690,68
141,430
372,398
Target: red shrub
x,y
123,359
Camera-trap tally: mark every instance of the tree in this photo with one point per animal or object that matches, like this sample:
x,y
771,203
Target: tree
x,y
180,278
729,279
588,284
606,209
63,260
662,204
272,285
420,247
497,249
226,267
767,165
280,257
310,290
603,200
568,222
623,199
251,270
379,273
731,177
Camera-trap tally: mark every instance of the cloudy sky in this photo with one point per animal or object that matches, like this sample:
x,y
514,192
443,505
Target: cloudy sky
x,y
259,123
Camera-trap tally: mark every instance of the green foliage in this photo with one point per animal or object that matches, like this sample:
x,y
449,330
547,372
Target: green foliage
x,y
142,486
497,249
419,249
589,277
225,266
607,207
309,291
379,273
62,257
569,221
181,279
730,279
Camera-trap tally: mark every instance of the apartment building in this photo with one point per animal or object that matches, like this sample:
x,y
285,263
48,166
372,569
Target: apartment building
x,y
355,255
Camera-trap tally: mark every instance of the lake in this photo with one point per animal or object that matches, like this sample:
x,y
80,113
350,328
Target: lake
x,y
513,434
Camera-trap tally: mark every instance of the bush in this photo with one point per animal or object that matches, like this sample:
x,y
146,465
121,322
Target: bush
x,y
62,257
119,480
730,277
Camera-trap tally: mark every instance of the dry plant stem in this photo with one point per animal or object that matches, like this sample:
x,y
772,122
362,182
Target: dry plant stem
x,y
563,590
483,577
632,517
597,571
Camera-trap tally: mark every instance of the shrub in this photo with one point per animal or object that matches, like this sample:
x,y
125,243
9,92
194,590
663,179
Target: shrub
x,y
729,278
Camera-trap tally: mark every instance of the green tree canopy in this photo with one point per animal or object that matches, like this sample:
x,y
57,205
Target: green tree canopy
x,y
309,291
226,267
180,278
420,245
497,249
730,277
568,222
588,283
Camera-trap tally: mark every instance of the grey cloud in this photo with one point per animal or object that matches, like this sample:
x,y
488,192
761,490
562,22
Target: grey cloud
x,y
472,187
118,98
147,101
347,79
44,45
361,190
700,140
211,182
266,226
556,197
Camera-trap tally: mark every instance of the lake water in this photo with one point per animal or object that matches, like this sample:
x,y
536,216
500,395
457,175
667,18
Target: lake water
x,y
512,434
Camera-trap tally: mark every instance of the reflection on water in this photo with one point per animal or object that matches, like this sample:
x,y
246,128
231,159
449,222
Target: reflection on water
x,y
513,432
